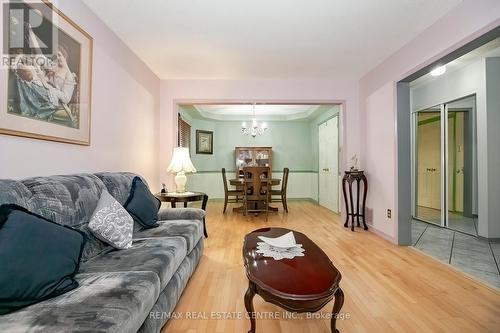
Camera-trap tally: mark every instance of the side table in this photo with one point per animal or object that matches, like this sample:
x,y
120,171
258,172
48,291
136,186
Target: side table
x,y
186,197
350,177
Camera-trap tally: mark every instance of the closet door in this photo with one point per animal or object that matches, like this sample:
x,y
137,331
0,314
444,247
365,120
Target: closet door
x,y
445,166
328,133
428,165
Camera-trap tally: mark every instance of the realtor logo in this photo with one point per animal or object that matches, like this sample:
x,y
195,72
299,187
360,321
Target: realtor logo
x,y
27,29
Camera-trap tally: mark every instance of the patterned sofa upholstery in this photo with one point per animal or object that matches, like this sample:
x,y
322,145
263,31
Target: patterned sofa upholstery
x,y
130,290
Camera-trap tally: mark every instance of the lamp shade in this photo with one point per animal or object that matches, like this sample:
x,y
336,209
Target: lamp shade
x,y
181,161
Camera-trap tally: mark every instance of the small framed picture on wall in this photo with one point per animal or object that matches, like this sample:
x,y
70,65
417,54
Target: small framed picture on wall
x,y
204,142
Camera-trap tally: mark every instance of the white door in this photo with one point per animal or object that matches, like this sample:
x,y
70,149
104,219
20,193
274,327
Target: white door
x,y
429,160
329,164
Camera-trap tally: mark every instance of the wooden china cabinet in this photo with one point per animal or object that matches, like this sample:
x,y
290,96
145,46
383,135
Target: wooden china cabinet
x,y
253,156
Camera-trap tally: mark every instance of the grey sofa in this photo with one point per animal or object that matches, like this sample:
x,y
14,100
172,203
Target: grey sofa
x,y
119,290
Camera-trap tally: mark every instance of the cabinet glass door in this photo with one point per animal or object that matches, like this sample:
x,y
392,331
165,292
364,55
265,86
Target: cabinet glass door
x,y
262,157
244,157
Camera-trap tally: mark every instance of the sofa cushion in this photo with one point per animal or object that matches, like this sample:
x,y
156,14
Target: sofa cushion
x,y
190,230
111,223
171,294
118,184
14,192
142,204
38,258
159,255
181,214
68,200
104,302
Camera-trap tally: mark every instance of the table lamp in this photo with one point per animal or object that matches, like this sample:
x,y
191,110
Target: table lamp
x,y
180,164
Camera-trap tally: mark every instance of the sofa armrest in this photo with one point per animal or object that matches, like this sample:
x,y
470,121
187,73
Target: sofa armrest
x,y
181,214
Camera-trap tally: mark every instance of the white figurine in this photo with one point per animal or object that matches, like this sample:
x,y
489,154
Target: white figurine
x,y
354,160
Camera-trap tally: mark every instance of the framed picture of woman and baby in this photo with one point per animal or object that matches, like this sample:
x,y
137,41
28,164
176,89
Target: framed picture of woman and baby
x,y
48,93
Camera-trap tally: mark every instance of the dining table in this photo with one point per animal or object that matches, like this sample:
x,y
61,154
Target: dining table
x,y
238,182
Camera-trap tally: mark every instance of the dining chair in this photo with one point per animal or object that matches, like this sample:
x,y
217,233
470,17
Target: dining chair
x,y
282,192
256,189
229,193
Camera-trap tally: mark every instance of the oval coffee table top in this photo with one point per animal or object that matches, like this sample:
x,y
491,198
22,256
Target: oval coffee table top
x,y
310,277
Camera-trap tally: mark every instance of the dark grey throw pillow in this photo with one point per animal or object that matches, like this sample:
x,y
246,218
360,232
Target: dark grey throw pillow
x,y
38,258
142,205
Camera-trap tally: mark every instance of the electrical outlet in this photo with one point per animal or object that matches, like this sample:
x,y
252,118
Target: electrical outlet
x,y
389,213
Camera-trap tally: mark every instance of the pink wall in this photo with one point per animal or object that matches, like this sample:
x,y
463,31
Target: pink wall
x,y
379,159
174,91
125,115
133,112
377,96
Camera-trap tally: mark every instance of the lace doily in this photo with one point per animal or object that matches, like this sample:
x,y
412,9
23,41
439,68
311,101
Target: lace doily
x,y
280,253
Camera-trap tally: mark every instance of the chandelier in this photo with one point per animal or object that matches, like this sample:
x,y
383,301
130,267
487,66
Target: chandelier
x,y
255,129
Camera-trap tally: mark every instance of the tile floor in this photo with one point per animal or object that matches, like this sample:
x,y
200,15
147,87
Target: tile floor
x,y
474,256
455,221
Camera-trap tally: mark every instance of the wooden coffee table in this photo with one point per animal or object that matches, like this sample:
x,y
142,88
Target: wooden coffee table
x,y
301,284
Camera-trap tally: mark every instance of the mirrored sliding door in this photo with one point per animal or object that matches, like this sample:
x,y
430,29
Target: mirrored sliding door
x,y
445,159
428,155
461,166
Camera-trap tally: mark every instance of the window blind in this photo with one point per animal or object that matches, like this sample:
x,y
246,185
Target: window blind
x,y
183,133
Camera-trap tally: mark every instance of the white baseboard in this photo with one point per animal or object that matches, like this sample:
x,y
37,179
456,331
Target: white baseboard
x,y
382,234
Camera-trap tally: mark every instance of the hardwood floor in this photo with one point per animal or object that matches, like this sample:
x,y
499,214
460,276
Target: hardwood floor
x,y
387,288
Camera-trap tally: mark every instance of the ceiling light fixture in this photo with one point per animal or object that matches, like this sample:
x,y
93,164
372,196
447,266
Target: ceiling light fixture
x,y
255,129
440,70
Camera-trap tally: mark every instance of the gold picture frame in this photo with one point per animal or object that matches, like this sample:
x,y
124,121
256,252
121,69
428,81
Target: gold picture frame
x,y
67,117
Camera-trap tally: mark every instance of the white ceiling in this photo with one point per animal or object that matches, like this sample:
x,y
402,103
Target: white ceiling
x,y
277,112
259,39
247,109
490,49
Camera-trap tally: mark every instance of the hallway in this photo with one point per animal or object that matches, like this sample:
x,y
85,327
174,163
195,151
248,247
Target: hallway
x,y
456,221
469,254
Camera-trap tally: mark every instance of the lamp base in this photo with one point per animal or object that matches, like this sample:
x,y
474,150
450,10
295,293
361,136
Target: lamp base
x,y
180,182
